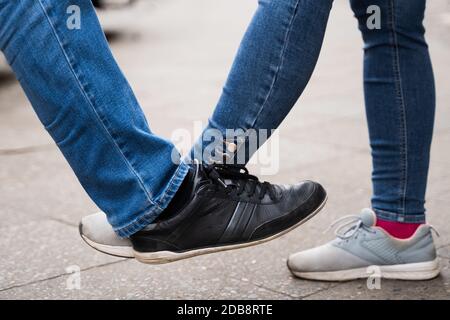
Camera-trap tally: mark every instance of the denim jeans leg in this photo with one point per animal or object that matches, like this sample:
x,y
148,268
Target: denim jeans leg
x,y
89,109
272,67
400,104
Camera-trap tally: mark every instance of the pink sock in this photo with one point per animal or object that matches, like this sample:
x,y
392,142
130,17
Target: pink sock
x,y
398,229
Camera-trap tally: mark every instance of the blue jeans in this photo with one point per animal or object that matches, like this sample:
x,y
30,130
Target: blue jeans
x,y
275,62
87,106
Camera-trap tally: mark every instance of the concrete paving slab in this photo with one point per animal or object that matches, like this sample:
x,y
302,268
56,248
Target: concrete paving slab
x,y
39,251
437,215
133,280
342,132
40,185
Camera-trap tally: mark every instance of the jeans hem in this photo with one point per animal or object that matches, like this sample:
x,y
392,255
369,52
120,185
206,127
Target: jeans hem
x,y
396,217
153,211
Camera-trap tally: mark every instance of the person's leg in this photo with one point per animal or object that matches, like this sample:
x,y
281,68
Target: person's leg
x,y
273,65
90,111
87,106
400,106
272,68
400,103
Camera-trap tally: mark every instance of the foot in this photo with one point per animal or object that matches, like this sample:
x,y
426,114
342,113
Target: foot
x,y
360,245
225,208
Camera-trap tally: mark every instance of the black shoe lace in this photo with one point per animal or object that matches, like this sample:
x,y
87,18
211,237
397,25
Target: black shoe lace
x,y
241,180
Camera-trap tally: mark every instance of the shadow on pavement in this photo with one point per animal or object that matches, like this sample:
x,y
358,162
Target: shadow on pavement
x,y
114,36
6,78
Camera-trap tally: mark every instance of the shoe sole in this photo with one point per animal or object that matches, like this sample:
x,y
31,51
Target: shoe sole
x,y
117,251
411,271
162,257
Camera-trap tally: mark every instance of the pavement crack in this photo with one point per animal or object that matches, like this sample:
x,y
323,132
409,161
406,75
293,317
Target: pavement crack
x,y
320,290
26,150
295,297
268,288
67,223
443,246
60,275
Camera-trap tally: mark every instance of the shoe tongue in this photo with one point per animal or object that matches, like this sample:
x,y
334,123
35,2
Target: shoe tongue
x,y
368,217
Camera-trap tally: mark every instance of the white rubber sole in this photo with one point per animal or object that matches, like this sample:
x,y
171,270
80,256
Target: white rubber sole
x,y
411,271
162,257
118,251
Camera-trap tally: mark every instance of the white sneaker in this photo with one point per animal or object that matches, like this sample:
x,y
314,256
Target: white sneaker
x,y
361,249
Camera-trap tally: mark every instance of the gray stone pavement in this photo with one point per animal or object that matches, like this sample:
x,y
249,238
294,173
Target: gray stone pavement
x,y
176,55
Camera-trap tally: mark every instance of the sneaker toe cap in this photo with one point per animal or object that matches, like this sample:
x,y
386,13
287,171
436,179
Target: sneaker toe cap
x,y
326,258
96,228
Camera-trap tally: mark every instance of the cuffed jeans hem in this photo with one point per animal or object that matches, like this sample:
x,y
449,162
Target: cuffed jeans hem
x,y
153,211
403,218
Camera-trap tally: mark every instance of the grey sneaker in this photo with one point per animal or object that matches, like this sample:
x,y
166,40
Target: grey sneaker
x,y
98,233
360,248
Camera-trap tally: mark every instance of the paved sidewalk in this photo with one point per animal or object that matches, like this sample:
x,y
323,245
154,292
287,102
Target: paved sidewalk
x,y
176,55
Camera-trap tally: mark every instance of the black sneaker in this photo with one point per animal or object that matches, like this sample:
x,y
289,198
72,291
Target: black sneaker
x,y
226,208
